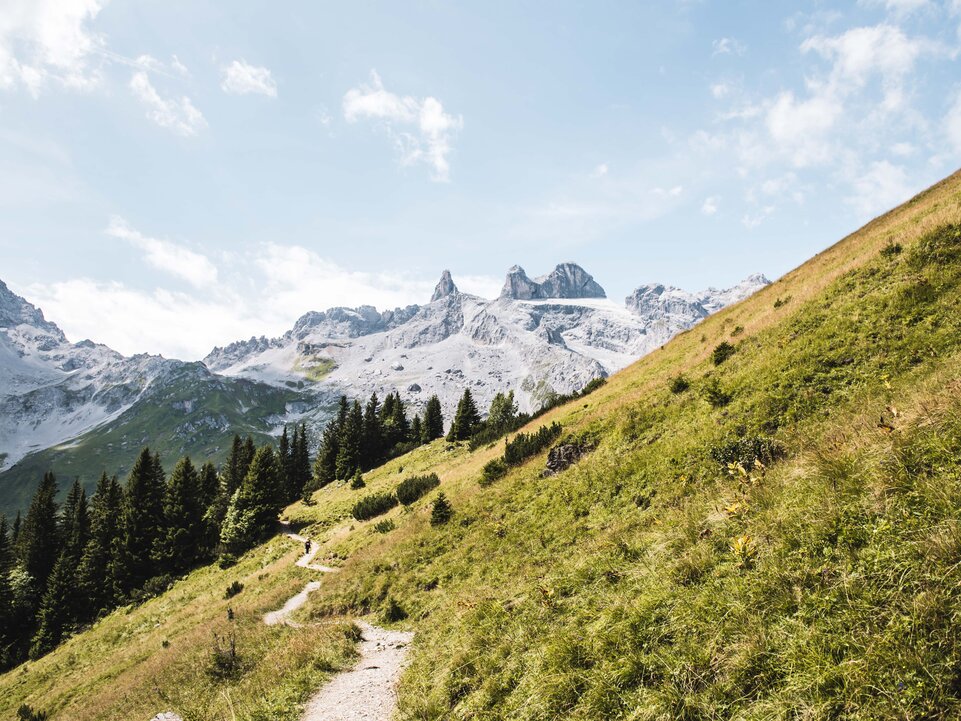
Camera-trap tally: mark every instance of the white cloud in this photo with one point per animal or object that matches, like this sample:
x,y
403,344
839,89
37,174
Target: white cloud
x,y
900,8
241,78
860,53
167,256
179,116
44,41
721,89
262,291
600,171
952,123
753,220
421,129
710,205
882,186
728,46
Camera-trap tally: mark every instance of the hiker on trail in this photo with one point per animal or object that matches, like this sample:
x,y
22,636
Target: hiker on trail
x,y
307,547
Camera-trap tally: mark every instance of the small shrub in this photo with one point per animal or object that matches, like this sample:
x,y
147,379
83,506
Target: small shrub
x,y
780,302
226,560
416,487
357,482
891,250
592,386
745,451
722,351
524,445
385,526
715,395
233,589
441,511
679,384
373,505
493,470
738,329
27,713
394,611
225,662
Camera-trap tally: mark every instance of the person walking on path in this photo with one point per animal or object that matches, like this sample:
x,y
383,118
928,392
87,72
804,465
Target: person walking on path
x,y
307,547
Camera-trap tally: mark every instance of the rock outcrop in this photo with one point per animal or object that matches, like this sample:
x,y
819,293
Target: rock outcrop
x,y
567,280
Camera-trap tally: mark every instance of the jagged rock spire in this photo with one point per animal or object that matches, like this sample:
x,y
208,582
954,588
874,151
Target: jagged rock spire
x,y
445,287
567,280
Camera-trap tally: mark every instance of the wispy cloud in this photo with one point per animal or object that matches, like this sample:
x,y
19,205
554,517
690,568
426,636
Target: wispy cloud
x,y
166,255
421,129
728,46
176,114
48,41
262,290
242,78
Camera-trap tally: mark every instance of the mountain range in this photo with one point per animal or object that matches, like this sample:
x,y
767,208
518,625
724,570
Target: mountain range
x,y
81,408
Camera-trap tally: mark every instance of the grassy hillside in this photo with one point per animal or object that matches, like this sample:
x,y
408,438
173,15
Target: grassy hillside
x,y
779,540
192,414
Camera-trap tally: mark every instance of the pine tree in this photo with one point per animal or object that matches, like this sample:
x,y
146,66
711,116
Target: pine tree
x,y
182,532
416,430
465,419
357,482
325,466
301,464
441,511
348,453
94,574
394,420
232,467
75,522
6,592
372,438
15,532
433,426
209,485
57,607
285,458
503,412
254,506
261,488
62,604
142,522
38,541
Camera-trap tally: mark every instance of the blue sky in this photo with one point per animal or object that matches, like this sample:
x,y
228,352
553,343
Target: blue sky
x,y
175,175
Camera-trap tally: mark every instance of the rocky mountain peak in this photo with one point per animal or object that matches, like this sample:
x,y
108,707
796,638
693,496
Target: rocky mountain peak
x,y
445,287
15,311
567,280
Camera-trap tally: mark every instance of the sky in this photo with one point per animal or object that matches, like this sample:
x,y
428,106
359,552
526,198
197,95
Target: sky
x,y
179,175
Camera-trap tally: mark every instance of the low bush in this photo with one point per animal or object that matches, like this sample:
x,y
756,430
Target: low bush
x,y
493,470
416,487
373,505
722,351
747,450
679,384
385,526
715,395
524,445
233,589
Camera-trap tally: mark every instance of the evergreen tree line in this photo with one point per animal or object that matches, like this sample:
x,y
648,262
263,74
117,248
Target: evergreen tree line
x,y
63,567
363,437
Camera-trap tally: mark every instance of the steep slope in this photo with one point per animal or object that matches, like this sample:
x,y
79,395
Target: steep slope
x,y
777,539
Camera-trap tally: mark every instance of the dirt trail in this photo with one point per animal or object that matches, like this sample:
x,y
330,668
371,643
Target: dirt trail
x,y
368,691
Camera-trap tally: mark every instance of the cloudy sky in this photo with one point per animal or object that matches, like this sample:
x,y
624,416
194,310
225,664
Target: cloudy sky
x,y
175,175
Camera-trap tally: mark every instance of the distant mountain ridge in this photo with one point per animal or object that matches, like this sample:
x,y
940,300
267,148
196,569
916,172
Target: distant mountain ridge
x,y
82,407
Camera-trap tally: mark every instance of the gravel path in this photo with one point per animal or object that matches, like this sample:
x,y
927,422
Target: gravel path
x,y
368,692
